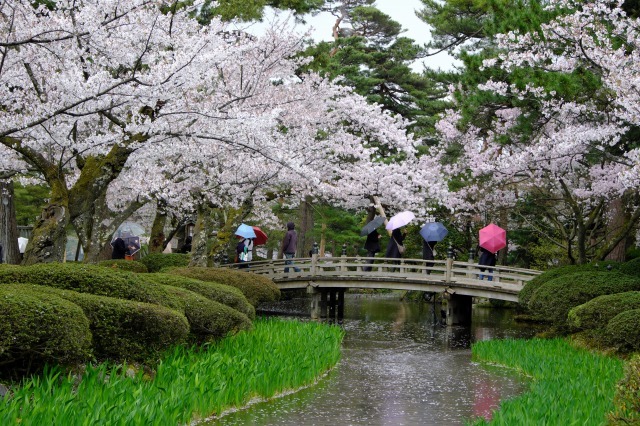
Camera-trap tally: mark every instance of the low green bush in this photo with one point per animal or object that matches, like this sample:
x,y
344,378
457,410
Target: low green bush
x,y
221,293
627,398
256,288
533,285
37,328
555,298
208,320
631,267
596,313
91,279
126,329
623,331
125,265
155,262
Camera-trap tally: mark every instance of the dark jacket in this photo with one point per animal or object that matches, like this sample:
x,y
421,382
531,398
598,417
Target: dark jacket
x,y
486,258
372,245
119,249
392,247
186,248
1,254
427,250
290,241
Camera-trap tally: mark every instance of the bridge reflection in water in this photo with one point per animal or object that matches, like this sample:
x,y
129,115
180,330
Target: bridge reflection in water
x,y
326,279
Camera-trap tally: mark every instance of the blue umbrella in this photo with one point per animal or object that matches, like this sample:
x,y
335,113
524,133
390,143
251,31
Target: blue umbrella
x,y
433,231
245,231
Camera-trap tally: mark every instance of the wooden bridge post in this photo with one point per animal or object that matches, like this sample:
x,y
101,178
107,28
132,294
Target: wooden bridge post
x,y
458,308
315,301
323,303
332,303
449,271
341,304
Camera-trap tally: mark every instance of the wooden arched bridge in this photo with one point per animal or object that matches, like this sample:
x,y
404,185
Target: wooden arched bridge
x,y
326,279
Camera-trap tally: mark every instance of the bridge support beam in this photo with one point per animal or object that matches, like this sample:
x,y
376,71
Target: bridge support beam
x,y
458,309
326,303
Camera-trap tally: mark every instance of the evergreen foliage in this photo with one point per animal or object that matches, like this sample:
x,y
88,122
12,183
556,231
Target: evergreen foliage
x,y
256,288
225,294
37,328
597,312
125,265
555,298
623,331
158,261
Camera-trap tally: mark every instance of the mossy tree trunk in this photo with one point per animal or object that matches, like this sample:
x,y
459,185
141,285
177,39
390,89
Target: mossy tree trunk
x,y
157,240
8,226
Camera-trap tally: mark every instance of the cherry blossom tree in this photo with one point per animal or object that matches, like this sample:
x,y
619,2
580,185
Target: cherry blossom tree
x,y
116,104
579,108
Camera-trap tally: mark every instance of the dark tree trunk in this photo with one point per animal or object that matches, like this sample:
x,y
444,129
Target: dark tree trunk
x,y
156,242
8,226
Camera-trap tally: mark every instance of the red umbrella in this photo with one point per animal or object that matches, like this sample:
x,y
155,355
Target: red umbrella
x,y
260,239
493,238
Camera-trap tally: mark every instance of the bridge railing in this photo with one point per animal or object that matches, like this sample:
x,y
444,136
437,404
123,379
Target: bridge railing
x,y
389,268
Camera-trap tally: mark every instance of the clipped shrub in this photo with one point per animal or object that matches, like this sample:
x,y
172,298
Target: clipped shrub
x,y
125,265
37,328
126,329
208,320
555,298
221,293
596,313
631,267
623,331
256,288
158,261
90,279
531,286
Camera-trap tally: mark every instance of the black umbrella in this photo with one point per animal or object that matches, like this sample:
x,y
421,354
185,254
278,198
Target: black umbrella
x,y
372,226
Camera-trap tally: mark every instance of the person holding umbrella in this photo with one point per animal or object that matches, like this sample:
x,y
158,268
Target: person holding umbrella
x,y
394,246
487,258
431,233
428,253
244,251
372,245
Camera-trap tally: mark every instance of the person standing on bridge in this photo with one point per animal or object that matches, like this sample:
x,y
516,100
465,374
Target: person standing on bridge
x,y
372,246
289,246
428,253
487,258
395,247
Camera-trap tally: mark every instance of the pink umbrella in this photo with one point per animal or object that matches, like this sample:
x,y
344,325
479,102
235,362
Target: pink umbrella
x,y
493,238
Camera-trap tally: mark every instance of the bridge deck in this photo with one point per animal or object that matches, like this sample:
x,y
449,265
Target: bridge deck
x,y
400,274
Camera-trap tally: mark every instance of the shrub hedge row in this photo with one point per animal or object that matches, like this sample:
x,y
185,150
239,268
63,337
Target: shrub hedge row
x,y
221,293
554,299
123,329
125,265
37,328
623,331
91,279
256,288
631,267
208,320
597,312
155,262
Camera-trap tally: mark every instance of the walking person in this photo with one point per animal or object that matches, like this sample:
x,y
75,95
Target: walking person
x,y
487,258
394,246
372,246
244,250
289,246
428,253
119,249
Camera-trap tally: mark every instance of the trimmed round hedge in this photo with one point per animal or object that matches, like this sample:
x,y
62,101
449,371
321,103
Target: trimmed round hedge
x,y
126,329
37,328
596,313
158,261
623,331
631,267
90,279
221,293
555,298
125,265
208,320
256,288
531,286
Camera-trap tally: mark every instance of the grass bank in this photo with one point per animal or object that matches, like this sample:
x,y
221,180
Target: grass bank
x,y
569,386
187,385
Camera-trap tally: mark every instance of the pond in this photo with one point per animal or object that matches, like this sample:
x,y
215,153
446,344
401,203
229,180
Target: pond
x,y
399,366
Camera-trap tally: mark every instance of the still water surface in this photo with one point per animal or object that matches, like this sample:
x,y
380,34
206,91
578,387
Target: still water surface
x,y
399,367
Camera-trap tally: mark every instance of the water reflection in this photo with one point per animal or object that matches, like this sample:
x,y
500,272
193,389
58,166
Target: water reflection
x,y
399,367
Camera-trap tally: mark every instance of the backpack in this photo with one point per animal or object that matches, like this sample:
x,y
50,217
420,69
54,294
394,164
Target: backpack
x,y
243,252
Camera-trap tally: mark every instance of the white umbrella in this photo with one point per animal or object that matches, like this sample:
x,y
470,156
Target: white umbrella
x,y
399,220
